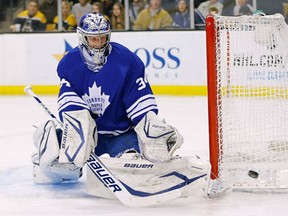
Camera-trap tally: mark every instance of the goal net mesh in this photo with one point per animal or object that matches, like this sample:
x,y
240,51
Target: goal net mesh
x,y
252,100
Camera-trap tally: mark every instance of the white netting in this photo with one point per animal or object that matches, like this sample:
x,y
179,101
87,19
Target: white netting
x,y
252,83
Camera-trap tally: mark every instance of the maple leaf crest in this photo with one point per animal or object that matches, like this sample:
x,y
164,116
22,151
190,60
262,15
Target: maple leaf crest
x,y
96,100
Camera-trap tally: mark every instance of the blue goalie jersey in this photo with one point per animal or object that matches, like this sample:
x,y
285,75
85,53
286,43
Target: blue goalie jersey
x,y
118,96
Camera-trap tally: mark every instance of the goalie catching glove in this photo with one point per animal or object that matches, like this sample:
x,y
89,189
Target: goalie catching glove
x,y
157,140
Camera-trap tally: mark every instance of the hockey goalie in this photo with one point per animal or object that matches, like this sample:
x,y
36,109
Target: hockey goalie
x,y
107,107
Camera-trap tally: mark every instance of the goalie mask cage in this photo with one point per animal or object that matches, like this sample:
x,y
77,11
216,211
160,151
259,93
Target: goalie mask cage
x,y
247,63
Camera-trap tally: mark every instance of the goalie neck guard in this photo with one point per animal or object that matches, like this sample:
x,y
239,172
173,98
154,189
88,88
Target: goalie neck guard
x,y
93,24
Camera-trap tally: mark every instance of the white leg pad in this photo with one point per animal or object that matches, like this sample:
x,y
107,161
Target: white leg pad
x,y
56,173
95,187
191,174
46,168
46,143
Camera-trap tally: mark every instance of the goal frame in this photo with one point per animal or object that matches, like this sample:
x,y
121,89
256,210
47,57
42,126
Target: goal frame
x,y
212,100
249,139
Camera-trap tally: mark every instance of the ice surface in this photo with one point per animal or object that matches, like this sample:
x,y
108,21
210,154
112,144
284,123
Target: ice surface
x,y
19,196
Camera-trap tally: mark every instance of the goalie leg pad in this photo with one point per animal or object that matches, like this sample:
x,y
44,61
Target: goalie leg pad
x,y
157,140
79,137
46,142
55,173
46,168
190,174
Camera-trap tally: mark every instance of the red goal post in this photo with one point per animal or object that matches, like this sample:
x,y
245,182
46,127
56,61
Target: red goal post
x,y
247,78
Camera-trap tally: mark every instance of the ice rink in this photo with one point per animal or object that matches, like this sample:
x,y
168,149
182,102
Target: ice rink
x,y
19,196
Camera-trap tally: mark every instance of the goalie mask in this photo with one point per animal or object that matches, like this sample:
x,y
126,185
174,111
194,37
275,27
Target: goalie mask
x,y
94,25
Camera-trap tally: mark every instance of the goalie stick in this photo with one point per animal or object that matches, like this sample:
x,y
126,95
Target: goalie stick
x,y
120,190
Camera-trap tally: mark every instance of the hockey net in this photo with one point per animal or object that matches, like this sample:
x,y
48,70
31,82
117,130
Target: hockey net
x,y
247,63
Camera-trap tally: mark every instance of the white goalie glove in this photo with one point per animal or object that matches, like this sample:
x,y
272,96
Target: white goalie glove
x,y
157,140
79,137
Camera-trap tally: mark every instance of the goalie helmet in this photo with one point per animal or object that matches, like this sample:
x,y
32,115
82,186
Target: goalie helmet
x,y
93,24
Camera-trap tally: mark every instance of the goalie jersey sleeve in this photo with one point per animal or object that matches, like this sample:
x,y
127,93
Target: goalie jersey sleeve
x,y
118,96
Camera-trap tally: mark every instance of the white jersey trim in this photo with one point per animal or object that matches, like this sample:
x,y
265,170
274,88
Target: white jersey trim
x,y
66,94
143,111
142,105
72,103
67,99
138,101
70,98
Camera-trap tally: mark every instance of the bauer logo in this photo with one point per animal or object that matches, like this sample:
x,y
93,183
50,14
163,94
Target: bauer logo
x,y
64,136
139,166
103,174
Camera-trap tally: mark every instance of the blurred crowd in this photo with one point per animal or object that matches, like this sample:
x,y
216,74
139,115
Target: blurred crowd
x,y
41,15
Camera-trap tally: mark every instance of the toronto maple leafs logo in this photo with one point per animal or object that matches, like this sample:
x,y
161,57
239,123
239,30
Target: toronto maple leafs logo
x,y
96,100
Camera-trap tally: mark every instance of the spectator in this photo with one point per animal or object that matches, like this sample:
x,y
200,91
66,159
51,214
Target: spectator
x,y
107,7
198,2
30,20
69,21
204,7
81,8
239,4
2,11
213,10
182,17
271,7
285,11
134,9
97,7
228,6
118,17
72,2
153,17
199,19
244,10
170,6
49,9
